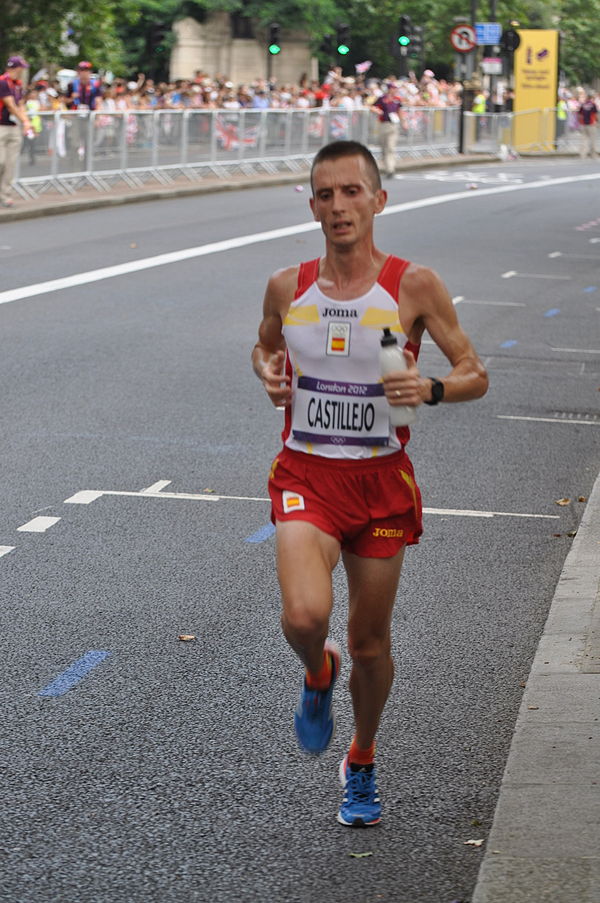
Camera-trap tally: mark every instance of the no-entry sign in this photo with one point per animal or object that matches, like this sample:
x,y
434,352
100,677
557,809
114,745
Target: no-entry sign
x,y
463,38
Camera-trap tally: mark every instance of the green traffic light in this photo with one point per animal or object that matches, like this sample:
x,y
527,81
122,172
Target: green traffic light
x,y
404,40
343,49
274,49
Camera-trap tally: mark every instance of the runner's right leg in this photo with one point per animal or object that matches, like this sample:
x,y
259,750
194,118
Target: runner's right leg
x,y
306,557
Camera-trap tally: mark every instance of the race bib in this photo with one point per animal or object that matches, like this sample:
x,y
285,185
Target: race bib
x,y
337,413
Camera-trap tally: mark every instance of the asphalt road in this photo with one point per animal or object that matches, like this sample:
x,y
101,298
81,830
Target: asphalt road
x,y
169,771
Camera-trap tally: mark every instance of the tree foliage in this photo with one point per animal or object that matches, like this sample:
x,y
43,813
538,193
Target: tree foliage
x,y
128,36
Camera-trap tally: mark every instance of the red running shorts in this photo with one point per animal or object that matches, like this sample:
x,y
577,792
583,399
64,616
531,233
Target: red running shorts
x,y
372,507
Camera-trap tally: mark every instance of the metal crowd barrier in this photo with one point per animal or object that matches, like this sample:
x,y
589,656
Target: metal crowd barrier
x,y
529,131
100,148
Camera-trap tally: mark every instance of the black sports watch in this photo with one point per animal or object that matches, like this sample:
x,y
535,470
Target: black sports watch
x,y
437,391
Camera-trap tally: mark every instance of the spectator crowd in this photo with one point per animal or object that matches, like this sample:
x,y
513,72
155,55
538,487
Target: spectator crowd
x,y
205,92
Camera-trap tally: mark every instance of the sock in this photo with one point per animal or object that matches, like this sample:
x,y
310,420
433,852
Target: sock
x,y
321,680
361,758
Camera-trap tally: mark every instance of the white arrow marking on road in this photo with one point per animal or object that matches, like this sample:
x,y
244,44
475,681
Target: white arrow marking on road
x,y
190,496
135,266
38,524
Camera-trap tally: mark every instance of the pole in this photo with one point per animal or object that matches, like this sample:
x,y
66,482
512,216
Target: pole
x,y
466,99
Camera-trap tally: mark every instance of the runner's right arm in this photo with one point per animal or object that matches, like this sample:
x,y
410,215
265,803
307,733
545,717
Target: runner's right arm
x,y
268,355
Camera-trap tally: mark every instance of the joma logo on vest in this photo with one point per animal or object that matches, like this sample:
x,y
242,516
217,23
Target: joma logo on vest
x,y
334,312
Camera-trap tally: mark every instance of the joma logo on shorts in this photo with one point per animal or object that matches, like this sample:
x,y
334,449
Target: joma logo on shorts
x,y
387,534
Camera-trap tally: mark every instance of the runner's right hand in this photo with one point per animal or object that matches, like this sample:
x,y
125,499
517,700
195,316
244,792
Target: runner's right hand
x,y
275,381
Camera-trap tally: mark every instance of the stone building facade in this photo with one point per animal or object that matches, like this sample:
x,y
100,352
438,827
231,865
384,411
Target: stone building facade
x,y
213,47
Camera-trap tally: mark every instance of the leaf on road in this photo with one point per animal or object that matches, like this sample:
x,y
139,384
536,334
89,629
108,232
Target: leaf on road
x,y
208,490
186,637
572,533
473,843
360,855
533,708
475,823
563,502
582,498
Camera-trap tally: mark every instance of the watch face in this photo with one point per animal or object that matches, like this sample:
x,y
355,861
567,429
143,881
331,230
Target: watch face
x,y
437,391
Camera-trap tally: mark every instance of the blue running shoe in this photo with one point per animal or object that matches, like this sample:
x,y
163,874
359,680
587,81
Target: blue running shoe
x,y
314,720
360,807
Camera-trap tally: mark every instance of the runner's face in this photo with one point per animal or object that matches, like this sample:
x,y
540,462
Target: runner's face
x,y
345,200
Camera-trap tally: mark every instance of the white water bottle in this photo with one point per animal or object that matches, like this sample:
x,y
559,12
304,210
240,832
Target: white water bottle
x,y
391,359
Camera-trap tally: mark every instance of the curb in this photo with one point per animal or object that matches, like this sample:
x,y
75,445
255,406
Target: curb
x,y
51,207
543,845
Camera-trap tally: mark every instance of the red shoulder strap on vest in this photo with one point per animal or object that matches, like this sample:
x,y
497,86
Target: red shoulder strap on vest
x,y
390,278
308,273
391,274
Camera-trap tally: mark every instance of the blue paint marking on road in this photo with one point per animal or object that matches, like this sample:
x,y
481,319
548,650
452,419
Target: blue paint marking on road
x,y
591,288
74,673
552,312
262,534
509,344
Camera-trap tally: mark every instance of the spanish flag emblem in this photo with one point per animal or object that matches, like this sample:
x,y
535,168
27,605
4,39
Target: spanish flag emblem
x,y
292,501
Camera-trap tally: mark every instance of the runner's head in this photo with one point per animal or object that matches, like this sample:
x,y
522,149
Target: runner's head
x,y
338,149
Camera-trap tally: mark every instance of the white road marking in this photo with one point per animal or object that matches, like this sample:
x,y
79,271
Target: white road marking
x,y
192,496
576,350
4,550
135,266
457,299
495,303
83,498
466,513
575,256
512,273
156,487
38,524
550,420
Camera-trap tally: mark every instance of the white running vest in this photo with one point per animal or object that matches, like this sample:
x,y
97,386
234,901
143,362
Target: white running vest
x,y
338,407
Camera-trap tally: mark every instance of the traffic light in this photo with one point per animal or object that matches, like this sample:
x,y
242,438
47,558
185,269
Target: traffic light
x,y
343,39
416,41
274,40
404,31
327,45
510,40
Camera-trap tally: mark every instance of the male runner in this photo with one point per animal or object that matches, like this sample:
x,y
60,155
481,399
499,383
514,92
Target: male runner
x,y
343,482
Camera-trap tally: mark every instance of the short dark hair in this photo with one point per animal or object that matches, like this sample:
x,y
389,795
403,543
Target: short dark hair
x,y
337,149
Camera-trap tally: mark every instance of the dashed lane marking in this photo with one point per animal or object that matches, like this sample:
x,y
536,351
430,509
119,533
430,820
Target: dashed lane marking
x,y
38,524
74,673
84,498
549,420
4,550
576,350
510,274
494,303
574,256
